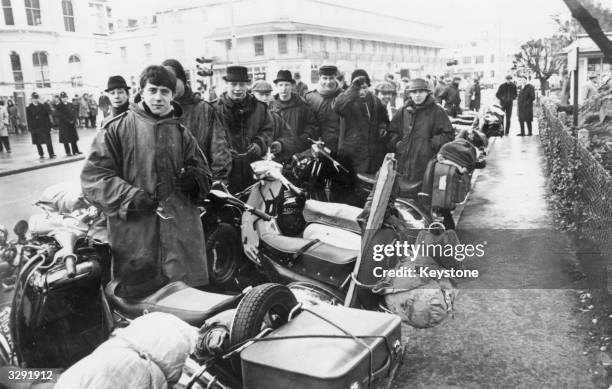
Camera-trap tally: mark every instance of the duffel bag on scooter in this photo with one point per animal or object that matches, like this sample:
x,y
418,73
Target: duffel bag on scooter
x,y
325,347
461,152
421,302
450,186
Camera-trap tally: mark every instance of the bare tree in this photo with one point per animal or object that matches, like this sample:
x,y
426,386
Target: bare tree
x,y
541,57
591,26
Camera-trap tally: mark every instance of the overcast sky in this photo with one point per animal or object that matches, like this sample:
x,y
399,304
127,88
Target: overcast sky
x,y
462,19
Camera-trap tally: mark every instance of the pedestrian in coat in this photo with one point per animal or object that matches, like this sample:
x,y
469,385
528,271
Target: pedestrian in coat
x,y
83,112
321,100
201,118
300,88
417,132
4,128
525,101
295,111
363,126
565,89
104,104
14,119
118,94
282,136
93,110
144,163
451,98
386,93
440,88
506,93
472,95
67,126
248,126
39,124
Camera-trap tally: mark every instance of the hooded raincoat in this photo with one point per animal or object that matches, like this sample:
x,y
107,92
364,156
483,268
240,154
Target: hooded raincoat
x,y
361,123
138,151
417,133
246,122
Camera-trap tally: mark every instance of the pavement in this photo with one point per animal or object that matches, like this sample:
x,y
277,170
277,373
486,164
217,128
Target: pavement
x,y
24,156
519,324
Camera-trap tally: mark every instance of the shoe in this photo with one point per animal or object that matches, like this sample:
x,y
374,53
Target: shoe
x,y
520,134
9,151
52,156
78,153
41,157
68,155
530,134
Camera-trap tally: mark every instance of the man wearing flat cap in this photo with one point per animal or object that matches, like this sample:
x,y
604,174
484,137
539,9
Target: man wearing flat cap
x,y
320,100
506,94
295,111
249,127
363,125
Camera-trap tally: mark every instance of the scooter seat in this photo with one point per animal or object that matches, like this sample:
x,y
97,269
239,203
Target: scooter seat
x,y
332,235
332,214
177,298
409,189
369,179
308,258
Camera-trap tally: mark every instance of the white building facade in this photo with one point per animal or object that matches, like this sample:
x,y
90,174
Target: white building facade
x,y
50,46
298,35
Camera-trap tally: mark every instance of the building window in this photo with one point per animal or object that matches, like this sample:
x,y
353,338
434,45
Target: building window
x,y
384,47
323,43
314,73
259,44
282,43
300,43
492,73
123,54
41,69
363,46
8,13
32,8
467,60
479,59
148,52
68,15
337,40
76,71
351,45
16,67
374,47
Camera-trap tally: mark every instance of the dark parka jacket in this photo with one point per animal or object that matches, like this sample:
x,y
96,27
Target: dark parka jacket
x,y
39,123
245,122
299,117
506,93
360,125
327,118
67,117
525,103
417,133
134,152
452,99
200,117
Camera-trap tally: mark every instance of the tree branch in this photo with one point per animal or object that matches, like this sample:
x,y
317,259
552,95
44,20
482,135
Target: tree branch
x,y
591,26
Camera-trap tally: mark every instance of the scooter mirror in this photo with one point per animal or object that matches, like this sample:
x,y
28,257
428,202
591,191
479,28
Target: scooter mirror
x,y
21,228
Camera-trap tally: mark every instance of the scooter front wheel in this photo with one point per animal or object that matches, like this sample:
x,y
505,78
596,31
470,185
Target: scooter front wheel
x,y
223,253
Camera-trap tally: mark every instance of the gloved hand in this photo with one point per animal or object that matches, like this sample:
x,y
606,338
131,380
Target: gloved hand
x,y
382,132
143,203
276,147
187,183
358,82
254,150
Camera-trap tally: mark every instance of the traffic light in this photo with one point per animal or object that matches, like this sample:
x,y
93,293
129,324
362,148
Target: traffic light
x,y
204,71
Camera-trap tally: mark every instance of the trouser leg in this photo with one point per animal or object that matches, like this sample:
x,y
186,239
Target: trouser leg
x,y
522,124
40,150
50,149
67,148
508,109
75,148
529,127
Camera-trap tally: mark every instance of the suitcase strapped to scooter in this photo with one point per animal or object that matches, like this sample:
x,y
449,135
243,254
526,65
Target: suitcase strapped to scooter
x,y
325,347
450,187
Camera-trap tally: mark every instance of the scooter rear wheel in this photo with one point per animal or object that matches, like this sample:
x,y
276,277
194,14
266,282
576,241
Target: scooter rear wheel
x,y
265,306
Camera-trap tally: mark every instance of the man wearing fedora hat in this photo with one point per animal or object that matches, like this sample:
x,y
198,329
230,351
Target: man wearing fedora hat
x,y
143,163
363,125
67,115
248,124
39,124
295,111
119,94
320,100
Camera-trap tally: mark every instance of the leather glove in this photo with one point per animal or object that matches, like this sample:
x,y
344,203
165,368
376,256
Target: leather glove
x,y
276,147
187,183
358,82
382,132
254,150
143,203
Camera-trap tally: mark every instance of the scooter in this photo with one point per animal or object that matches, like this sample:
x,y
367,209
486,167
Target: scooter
x,y
65,304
